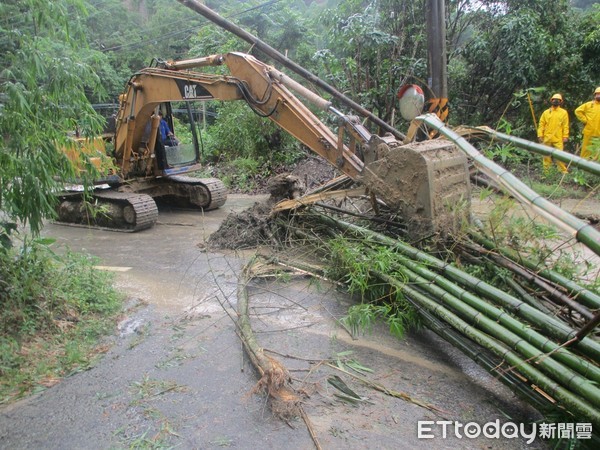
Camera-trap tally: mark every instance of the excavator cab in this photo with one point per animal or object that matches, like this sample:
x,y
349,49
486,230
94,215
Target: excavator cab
x,y
182,147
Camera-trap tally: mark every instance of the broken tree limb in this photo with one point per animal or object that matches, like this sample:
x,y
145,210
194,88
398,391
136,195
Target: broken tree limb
x,y
588,327
275,378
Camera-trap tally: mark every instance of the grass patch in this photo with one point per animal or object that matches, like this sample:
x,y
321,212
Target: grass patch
x,y
54,310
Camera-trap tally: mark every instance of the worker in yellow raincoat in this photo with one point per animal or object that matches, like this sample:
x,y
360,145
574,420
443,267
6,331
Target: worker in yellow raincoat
x,y
553,130
589,114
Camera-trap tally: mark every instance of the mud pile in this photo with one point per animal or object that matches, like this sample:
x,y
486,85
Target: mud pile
x,y
256,226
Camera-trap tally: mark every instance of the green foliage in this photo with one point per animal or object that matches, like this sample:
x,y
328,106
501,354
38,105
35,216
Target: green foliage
x,y
38,287
43,82
352,263
507,155
240,134
534,240
512,46
369,52
54,309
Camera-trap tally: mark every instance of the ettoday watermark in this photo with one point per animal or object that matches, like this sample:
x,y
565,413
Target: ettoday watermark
x,y
429,429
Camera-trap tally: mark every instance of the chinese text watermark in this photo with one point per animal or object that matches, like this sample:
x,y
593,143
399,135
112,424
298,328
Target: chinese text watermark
x,y
429,429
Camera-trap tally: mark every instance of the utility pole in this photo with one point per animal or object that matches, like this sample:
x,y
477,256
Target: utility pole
x,y
436,45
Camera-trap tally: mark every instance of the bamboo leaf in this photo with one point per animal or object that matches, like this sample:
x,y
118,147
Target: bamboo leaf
x,y
339,384
354,365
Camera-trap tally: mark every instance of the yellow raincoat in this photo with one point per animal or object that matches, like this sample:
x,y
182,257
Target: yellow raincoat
x,y
553,130
589,115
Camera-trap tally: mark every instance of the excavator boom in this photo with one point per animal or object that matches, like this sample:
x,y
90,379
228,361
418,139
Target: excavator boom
x,y
424,182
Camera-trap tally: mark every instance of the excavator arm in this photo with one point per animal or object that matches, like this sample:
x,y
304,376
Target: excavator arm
x,y
426,182
261,86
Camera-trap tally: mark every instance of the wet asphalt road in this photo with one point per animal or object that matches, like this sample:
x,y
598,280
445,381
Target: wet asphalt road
x,y
176,376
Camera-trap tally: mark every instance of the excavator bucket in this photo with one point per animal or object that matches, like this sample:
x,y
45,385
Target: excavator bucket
x,y
426,182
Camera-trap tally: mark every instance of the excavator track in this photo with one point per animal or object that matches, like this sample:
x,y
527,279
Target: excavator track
x,y
108,210
190,192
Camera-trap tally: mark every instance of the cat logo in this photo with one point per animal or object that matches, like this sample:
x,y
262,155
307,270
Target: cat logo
x,y
192,91
189,91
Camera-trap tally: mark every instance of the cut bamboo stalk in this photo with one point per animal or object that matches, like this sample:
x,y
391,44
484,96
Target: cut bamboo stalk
x,y
313,198
554,369
545,345
539,399
574,404
553,327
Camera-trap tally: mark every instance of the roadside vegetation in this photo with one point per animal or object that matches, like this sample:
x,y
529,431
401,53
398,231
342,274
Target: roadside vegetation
x,y
55,310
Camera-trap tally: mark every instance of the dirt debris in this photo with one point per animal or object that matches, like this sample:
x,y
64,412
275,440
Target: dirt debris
x,y
255,226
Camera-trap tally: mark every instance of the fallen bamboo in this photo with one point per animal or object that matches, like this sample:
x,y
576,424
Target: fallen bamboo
x,y
585,296
555,328
476,318
540,343
425,277
550,388
545,345
536,397
574,404
571,160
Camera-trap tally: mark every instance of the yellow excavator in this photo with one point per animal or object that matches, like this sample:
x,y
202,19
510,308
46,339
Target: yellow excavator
x,y
426,182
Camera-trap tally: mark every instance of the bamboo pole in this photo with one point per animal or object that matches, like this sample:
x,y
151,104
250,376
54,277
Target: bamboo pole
x,y
574,404
491,363
552,326
424,277
503,332
583,232
571,160
585,296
